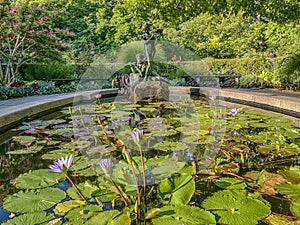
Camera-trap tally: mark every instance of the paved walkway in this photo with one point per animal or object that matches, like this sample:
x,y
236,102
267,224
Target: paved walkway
x,y
13,110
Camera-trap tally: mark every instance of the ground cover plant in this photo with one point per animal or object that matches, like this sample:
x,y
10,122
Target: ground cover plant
x,y
153,163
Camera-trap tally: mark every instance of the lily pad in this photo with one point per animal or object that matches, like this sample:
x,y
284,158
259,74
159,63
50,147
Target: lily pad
x,y
235,207
33,200
170,146
166,168
110,217
230,183
24,140
87,188
292,191
58,154
278,219
187,215
177,190
30,218
82,213
64,207
292,175
38,179
28,150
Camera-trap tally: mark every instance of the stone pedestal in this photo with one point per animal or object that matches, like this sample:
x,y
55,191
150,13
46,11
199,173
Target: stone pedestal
x,y
152,89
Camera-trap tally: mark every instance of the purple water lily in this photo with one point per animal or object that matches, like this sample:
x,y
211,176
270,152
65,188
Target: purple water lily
x,y
213,97
59,164
127,152
105,165
137,135
233,112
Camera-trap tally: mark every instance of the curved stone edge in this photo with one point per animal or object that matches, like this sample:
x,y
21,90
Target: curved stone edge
x,y
281,104
11,116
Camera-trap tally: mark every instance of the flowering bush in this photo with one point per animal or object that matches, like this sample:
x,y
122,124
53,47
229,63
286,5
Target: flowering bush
x,y
26,34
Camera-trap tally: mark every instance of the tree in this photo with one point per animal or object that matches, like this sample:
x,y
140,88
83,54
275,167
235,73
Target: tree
x,y
26,34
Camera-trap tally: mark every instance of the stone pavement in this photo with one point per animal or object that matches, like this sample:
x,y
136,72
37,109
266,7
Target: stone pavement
x,y
14,110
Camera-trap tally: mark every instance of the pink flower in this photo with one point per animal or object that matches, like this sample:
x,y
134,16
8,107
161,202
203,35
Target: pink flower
x,y
13,10
14,58
15,26
44,18
39,23
50,34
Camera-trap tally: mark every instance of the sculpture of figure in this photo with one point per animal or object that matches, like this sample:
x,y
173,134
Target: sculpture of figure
x,y
149,40
140,66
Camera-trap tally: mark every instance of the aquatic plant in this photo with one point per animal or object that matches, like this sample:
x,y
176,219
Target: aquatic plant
x,y
125,182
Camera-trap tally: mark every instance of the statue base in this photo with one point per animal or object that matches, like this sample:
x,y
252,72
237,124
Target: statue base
x,y
151,89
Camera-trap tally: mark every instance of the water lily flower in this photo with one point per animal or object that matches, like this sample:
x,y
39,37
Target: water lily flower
x,y
127,152
137,135
60,164
105,165
233,112
213,97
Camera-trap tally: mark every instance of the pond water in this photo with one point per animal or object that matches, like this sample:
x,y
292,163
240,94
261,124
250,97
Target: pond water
x,y
194,153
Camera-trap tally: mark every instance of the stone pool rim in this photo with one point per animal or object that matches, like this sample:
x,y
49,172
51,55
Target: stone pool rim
x,y
276,101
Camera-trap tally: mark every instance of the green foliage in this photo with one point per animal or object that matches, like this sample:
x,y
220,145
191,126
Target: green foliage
x,y
48,71
237,207
174,215
38,179
12,92
292,192
33,201
177,190
30,218
290,72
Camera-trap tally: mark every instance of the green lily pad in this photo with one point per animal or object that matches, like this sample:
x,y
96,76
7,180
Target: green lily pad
x,y
292,191
28,150
278,219
81,214
87,188
236,207
64,207
110,217
292,175
170,146
166,168
230,183
33,200
187,215
38,179
58,154
30,218
177,190
24,140
56,121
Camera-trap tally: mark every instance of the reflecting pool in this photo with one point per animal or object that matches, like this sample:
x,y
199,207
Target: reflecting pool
x,y
153,162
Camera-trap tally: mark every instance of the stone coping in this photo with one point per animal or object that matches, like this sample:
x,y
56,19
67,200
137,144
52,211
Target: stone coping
x,y
277,101
13,111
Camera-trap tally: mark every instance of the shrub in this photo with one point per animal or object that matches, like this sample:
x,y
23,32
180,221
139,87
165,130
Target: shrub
x,y
48,71
252,81
290,72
